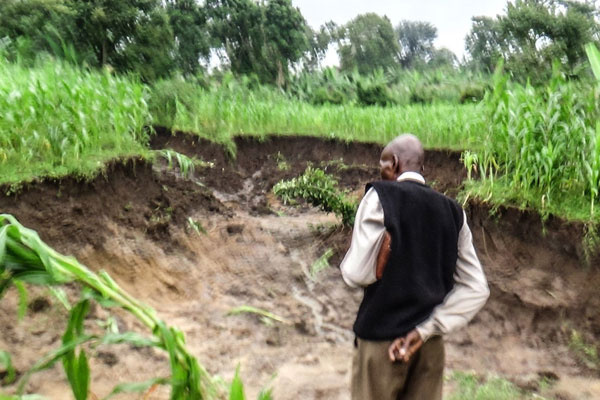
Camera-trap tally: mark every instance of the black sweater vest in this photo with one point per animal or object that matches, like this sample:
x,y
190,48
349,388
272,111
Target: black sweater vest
x,y
424,226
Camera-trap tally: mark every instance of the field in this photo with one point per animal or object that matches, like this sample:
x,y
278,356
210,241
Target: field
x,y
258,252
169,189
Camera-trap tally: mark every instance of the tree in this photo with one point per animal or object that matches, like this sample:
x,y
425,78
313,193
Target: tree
x,y
442,58
285,36
367,43
263,39
35,24
236,29
318,43
416,42
192,39
130,35
485,43
533,34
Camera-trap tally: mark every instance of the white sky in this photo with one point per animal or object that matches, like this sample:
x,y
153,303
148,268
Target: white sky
x,y
452,18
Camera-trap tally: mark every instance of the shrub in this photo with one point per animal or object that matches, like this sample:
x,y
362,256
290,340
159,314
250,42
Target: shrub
x,y
319,189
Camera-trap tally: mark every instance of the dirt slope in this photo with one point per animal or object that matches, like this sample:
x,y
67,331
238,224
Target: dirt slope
x,y
133,222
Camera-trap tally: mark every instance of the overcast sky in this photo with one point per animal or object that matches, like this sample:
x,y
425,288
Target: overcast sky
x,y
451,18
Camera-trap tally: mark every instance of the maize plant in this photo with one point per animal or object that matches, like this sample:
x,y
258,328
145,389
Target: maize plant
x,y
541,142
25,258
58,119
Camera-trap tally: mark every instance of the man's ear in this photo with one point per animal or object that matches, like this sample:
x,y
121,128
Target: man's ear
x,y
397,165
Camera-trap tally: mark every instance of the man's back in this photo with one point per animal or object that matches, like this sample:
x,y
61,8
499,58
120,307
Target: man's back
x,y
424,227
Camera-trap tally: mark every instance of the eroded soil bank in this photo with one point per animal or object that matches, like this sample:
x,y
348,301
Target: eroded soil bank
x,y
133,222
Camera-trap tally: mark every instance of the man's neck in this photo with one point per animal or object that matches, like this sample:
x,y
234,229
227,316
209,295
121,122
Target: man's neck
x,y
411,176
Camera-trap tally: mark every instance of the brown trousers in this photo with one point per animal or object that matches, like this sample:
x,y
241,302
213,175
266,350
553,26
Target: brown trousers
x,y
375,377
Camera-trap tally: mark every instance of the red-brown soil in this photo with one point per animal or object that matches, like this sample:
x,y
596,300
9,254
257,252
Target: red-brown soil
x,y
132,222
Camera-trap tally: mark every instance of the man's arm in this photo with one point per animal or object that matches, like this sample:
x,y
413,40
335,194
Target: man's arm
x,y
468,296
359,264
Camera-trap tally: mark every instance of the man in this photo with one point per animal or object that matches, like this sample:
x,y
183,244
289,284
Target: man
x,y
412,250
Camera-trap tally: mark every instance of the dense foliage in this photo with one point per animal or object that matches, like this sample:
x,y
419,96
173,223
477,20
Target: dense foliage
x,y
542,146
57,120
238,107
531,35
320,190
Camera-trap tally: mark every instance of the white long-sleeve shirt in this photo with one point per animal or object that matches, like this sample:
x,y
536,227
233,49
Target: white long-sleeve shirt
x,y
470,291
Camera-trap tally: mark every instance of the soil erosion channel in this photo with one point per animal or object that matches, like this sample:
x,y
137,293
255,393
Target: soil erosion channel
x,y
134,222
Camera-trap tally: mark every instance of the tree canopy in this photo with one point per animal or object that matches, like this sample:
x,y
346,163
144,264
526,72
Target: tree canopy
x,y
533,34
258,38
367,43
416,39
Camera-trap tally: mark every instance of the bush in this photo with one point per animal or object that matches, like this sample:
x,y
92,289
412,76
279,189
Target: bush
x,y
374,94
319,189
422,94
472,94
325,95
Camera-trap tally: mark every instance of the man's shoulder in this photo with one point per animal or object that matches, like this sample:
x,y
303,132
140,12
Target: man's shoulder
x,y
418,190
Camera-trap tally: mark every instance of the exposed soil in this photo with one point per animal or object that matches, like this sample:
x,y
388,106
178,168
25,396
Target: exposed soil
x,y
133,222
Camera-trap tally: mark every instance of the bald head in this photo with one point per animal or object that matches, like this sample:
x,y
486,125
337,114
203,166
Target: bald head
x,y
404,153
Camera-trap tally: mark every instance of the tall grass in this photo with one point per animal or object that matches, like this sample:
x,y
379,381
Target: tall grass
x,y
57,119
219,113
542,147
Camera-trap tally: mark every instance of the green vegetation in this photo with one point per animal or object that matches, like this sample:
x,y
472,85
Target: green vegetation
x,y
321,264
586,352
543,147
186,165
320,190
531,35
218,113
58,120
472,388
25,258
266,317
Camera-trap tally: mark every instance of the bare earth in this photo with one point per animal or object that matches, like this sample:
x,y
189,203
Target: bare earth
x,y
259,252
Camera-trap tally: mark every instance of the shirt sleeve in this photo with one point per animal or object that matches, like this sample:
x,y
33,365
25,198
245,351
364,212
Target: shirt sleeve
x,y
358,266
468,296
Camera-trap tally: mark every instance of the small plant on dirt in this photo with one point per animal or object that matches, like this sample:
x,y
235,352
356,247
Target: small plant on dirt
x,y
25,258
282,163
321,190
186,165
7,371
266,317
321,264
196,226
469,160
236,390
586,352
473,387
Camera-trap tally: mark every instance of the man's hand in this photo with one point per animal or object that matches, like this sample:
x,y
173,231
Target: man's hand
x,y
402,349
384,255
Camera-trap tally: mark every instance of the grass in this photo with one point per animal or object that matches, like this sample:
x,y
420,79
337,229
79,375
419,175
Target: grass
x,y
60,120
586,352
535,148
471,387
220,113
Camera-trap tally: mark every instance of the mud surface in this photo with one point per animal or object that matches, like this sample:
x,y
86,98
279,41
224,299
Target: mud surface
x,y
134,223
